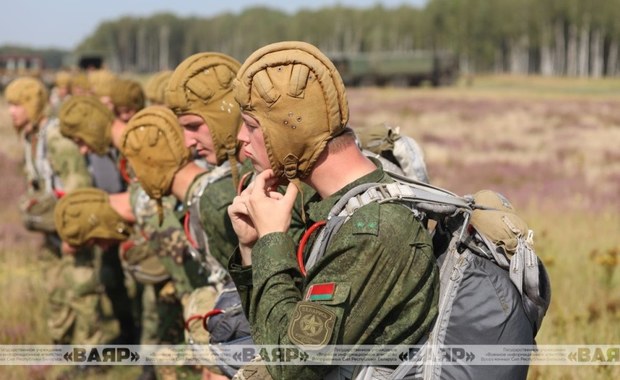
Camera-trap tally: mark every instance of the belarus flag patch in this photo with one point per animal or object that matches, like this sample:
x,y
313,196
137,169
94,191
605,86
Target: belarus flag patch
x,y
321,292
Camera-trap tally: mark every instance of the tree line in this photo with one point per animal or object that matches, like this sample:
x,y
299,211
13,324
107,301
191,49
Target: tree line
x,y
551,37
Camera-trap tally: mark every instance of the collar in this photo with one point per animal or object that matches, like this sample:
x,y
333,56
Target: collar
x,y
320,209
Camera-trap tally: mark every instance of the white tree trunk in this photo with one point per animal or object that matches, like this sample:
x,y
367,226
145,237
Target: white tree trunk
x,y
584,51
546,61
571,52
546,57
519,55
164,48
596,54
141,59
559,56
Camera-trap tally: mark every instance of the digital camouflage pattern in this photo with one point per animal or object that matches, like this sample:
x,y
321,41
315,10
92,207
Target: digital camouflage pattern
x,y
53,161
75,301
213,206
160,253
75,295
373,276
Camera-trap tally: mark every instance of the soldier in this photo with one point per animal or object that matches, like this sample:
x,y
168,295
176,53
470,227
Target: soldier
x,y
155,267
155,87
200,94
80,85
60,92
127,97
92,126
101,82
368,288
54,166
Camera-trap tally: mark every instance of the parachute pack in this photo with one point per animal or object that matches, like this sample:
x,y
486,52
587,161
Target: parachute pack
x,y
397,153
493,288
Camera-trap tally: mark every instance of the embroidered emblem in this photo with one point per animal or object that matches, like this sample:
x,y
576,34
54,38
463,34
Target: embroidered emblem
x,y
312,325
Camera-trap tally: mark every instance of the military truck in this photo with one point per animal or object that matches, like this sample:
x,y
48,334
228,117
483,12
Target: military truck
x,y
400,69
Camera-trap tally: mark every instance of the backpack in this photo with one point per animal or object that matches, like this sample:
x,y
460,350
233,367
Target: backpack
x,y
397,153
493,287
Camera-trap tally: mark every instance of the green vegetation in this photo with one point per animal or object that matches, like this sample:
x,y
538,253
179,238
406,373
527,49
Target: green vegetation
x,y
577,38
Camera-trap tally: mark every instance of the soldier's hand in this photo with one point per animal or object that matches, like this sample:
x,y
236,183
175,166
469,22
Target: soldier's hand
x,y
270,211
243,226
68,249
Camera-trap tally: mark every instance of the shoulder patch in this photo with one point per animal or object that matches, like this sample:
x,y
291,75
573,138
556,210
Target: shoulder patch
x,y
312,325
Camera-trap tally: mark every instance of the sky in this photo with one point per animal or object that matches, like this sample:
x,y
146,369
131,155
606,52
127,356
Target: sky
x,y
65,23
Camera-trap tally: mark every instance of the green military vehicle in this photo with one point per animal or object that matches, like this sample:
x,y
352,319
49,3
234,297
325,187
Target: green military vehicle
x,y
400,69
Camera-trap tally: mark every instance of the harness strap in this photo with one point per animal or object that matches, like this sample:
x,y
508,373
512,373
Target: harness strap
x,y
425,197
192,226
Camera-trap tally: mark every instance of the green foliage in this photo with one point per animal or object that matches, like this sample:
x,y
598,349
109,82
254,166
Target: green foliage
x,y
552,37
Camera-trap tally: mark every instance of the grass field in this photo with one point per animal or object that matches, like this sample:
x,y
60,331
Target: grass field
x,y
550,145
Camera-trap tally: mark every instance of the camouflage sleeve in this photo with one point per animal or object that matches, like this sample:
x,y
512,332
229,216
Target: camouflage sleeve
x,y
367,289
66,161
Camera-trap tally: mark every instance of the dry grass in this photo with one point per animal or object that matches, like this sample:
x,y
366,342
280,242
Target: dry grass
x,y
550,145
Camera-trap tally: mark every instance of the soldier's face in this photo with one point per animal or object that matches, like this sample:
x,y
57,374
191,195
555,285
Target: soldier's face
x,y
19,116
253,143
107,101
197,136
82,146
124,113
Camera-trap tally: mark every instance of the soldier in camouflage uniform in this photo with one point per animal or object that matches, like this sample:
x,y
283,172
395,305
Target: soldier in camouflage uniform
x,y
155,87
150,255
100,83
89,123
60,92
128,98
377,282
199,93
53,166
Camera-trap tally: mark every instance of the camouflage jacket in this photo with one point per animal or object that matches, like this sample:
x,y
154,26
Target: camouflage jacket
x,y
53,165
52,161
165,240
377,283
213,201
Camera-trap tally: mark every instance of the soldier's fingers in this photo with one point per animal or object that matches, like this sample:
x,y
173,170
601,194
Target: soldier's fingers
x,y
264,182
238,206
275,195
291,193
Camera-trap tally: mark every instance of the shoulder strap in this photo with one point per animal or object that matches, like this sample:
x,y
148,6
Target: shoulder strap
x,y
201,253
428,198
42,164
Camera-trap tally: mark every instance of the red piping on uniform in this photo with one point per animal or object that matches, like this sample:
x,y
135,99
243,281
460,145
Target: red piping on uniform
x,y
188,234
303,242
